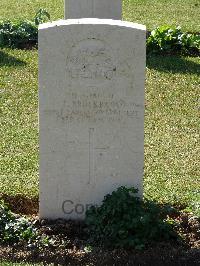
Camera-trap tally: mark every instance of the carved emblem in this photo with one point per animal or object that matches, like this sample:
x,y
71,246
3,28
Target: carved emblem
x,y
91,59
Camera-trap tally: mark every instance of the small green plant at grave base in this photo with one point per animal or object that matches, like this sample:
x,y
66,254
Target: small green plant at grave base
x,y
172,40
15,229
124,221
19,34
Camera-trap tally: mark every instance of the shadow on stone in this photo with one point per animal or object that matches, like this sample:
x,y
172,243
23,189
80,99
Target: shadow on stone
x,y
9,60
172,64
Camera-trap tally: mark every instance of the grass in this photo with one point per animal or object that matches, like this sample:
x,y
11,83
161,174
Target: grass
x,y
172,131
19,123
151,13
27,8
171,126
160,12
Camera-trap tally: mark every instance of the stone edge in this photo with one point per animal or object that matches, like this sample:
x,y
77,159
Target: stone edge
x,y
92,21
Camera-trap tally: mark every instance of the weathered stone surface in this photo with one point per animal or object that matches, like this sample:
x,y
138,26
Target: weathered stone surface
x,y
110,9
91,91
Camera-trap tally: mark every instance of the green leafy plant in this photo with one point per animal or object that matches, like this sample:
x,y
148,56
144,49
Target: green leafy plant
x,y
123,220
190,42
41,16
15,229
15,35
166,39
21,34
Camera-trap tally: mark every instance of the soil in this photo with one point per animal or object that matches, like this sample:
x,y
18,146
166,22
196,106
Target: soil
x,y
70,242
21,205
157,256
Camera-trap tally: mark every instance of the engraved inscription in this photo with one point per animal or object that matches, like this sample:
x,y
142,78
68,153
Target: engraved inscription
x,y
94,107
91,59
91,155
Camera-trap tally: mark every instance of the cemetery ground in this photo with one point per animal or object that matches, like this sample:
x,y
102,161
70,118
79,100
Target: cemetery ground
x,y
171,136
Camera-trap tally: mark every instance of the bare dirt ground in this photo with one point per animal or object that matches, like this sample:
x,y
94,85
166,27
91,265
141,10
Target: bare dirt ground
x,y
73,252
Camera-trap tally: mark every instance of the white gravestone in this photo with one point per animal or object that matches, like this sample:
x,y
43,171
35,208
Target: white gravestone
x,y
91,83
109,9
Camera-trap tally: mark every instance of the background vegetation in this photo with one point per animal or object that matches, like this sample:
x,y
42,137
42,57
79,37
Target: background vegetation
x,y
151,13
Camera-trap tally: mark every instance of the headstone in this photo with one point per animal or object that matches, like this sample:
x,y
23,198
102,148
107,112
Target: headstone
x,y
91,94
109,9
